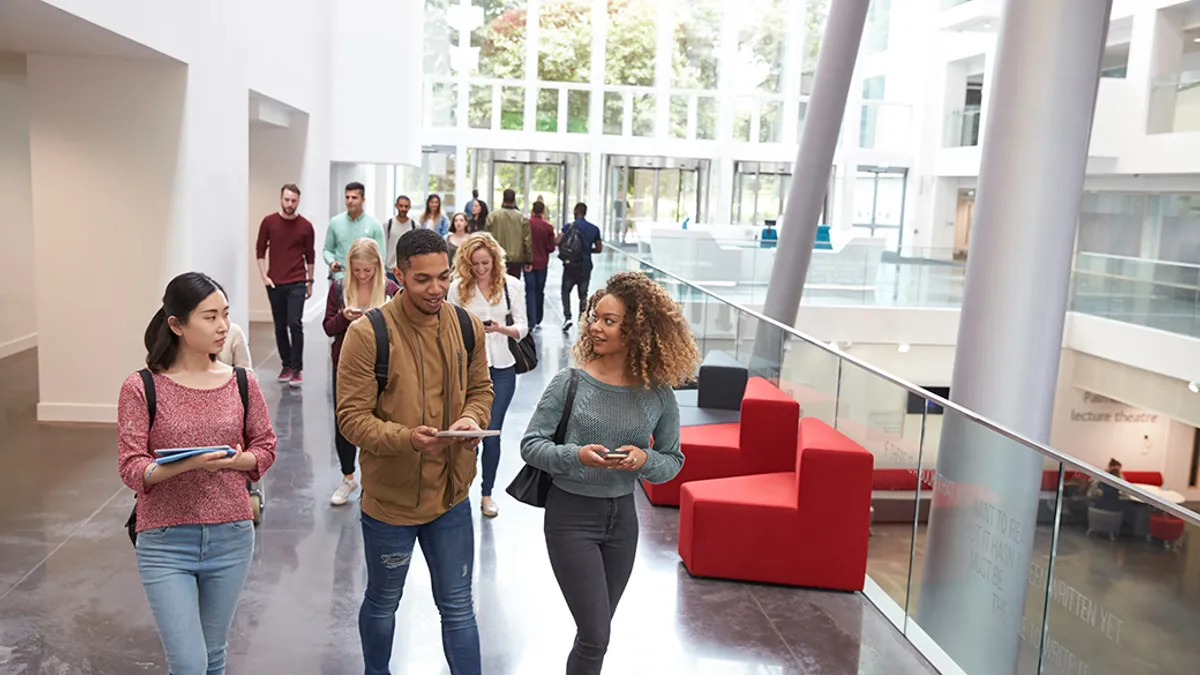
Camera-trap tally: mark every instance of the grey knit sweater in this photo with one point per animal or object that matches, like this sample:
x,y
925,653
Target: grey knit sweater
x,y
611,416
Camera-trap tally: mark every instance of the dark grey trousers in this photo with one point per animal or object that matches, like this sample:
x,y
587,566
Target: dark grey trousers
x,y
592,544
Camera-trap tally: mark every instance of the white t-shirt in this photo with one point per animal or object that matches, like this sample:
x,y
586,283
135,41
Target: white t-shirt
x,y
498,353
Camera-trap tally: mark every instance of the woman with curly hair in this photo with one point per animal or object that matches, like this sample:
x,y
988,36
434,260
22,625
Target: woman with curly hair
x,y
481,287
624,426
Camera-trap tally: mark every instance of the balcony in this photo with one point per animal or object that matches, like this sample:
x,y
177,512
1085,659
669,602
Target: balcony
x,y
979,16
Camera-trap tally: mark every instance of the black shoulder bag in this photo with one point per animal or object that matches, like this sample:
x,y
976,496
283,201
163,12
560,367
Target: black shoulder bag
x,y
523,350
532,485
243,386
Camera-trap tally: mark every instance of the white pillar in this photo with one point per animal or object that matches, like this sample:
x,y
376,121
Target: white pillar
x,y
1010,333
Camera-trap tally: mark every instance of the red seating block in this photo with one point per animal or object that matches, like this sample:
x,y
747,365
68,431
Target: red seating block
x,y
762,441
1143,477
1166,527
806,527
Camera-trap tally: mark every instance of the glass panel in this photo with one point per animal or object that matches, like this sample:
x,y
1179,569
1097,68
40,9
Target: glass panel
x,y
547,110
578,111
565,40
760,44
508,177
643,115
631,42
743,111
440,38
668,196
479,107
990,532
641,200
512,109
768,198
1124,592
444,104
706,118
440,168
816,12
875,34
697,44
769,130
880,416
545,181
760,345
501,39
679,116
614,113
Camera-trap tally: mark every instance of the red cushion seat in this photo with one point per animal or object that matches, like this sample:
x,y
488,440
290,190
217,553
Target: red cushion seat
x,y
1143,477
807,527
762,441
1166,527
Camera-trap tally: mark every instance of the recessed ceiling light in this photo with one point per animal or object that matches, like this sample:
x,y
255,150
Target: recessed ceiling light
x,y
903,349
1194,387
1196,39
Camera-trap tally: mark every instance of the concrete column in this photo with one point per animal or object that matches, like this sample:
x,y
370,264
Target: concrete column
x,y
835,70
1010,334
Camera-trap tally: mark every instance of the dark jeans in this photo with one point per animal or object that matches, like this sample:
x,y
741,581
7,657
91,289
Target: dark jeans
x,y
504,384
287,310
346,451
514,269
592,544
448,544
535,296
575,275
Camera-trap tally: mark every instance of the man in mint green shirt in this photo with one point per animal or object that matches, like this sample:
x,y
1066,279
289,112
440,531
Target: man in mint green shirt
x,y
348,226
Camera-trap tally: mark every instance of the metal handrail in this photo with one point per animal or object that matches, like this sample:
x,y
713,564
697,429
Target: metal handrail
x,y
1145,261
1045,450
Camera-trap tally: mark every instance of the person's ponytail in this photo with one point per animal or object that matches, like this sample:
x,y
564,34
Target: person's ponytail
x,y
183,294
162,344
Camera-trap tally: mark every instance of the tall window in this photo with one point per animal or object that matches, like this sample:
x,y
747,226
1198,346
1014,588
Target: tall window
x,y
440,38
875,33
760,45
697,44
630,45
501,38
565,40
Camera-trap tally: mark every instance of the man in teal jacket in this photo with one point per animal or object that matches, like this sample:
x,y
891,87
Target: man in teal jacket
x,y
348,226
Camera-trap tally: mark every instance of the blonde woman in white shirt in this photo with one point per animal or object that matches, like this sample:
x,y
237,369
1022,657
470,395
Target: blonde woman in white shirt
x,y
482,287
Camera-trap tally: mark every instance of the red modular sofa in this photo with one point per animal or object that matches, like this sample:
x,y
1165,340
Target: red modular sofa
x,y
806,527
762,441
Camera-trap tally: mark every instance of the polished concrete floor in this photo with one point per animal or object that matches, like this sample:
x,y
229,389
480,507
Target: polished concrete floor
x,y
71,602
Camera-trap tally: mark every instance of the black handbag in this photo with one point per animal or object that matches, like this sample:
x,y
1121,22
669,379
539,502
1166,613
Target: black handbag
x,y
523,350
532,485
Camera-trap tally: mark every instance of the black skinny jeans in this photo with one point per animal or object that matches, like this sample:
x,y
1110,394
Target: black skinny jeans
x,y
592,543
346,451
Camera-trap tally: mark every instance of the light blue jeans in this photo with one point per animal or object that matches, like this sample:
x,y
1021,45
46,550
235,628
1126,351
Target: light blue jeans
x,y
193,575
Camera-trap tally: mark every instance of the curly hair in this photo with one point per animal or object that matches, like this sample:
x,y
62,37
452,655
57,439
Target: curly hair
x,y
462,267
662,349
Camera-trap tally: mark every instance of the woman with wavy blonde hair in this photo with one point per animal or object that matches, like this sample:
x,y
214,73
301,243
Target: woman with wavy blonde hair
x,y
623,427
482,288
364,288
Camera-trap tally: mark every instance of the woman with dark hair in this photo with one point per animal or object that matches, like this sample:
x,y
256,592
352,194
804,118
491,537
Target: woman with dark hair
x,y
195,535
623,427
460,229
479,214
433,218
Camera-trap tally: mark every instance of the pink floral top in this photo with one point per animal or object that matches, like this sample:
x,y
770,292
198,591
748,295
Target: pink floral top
x,y
187,418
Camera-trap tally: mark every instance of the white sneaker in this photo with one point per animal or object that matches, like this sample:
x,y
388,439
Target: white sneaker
x,y
342,494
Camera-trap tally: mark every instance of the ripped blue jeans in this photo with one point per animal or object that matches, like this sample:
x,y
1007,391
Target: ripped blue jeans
x,y
448,544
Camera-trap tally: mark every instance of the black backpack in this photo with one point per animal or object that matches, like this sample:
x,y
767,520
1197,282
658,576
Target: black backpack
x,y
570,249
243,386
383,350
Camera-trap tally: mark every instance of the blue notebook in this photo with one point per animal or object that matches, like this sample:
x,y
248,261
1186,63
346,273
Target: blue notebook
x,y
168,455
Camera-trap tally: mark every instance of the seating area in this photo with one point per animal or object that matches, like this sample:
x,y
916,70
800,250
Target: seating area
x,y
769,497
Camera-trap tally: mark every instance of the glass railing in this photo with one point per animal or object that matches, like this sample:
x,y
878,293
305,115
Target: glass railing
x,y
1174,104
989,552
1153,293
962,127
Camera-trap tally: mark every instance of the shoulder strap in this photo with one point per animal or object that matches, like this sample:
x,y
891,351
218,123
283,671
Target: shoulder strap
x,y
508,301
151,397
243,382
560,434
382,348
468,330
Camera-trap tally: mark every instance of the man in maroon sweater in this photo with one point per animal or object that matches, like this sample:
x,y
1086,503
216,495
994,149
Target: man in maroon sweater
x,y
288,277
542,234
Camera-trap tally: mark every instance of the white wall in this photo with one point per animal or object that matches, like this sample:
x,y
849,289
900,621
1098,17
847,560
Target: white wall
x,y
1095,428
18,310
100,279
1179,460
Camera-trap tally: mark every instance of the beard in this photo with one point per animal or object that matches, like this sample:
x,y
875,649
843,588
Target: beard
x,y
289,211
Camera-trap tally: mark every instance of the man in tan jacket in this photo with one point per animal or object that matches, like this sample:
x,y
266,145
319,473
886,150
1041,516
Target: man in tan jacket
x,y
511,230
415,483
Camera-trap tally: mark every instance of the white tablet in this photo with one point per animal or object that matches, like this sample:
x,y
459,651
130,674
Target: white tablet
x,y
468,433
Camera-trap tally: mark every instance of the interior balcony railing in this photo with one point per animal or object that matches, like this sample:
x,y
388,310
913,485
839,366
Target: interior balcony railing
x,y
1112,585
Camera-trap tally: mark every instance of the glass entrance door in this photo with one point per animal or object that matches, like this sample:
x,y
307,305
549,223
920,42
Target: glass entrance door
x,y
647,191
879,194
556,178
